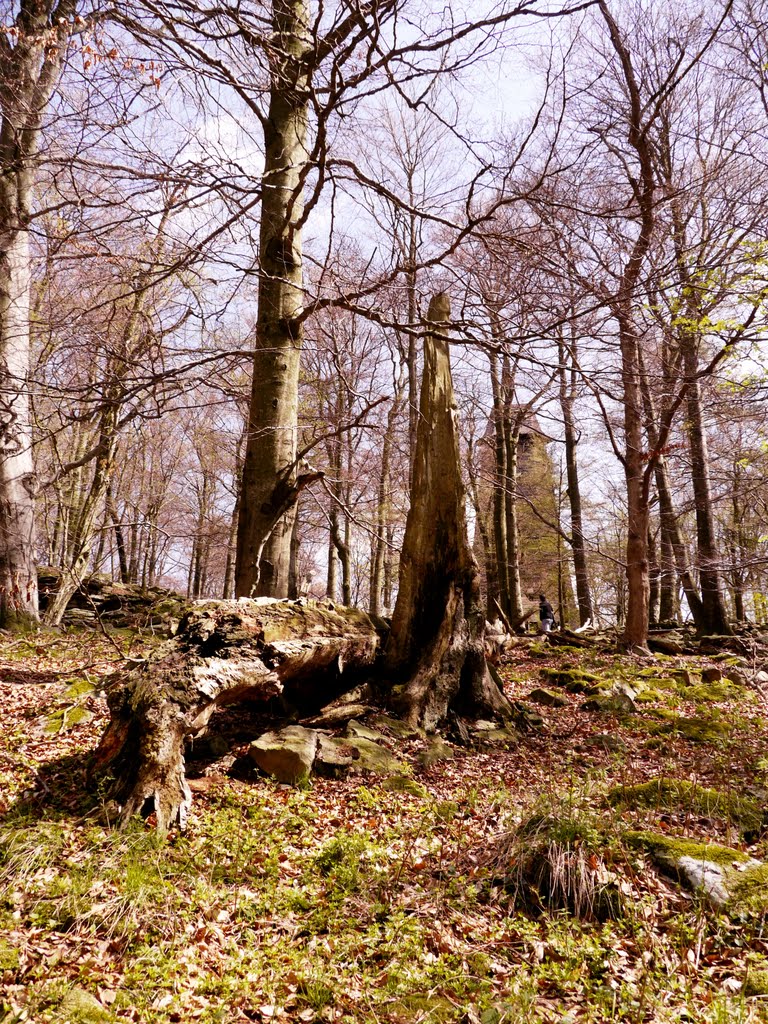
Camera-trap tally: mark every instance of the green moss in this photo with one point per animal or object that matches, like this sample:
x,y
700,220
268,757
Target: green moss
x,y
756,983
713,692
569,676
696,729
682,795
749,891
667,850
80,1007
9,957
649,696
67,718
79,688
403,784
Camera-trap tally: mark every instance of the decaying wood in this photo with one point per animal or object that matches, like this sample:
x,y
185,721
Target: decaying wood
x,y
569,638
436,642
224,652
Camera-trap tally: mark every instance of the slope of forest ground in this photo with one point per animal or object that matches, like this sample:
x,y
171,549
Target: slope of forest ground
x,y
363,900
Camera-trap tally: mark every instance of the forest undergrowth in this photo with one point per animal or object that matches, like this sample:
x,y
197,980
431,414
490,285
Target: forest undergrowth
x,y
385,901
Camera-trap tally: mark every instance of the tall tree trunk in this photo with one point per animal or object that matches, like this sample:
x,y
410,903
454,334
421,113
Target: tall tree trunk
x,y
654,579
672,539
512,444
669,605
271,484
333,562
30,67
294,580
436,640
636,467
638,514
571,440
89,514
500,539
379,547
715,619
119,537
18,573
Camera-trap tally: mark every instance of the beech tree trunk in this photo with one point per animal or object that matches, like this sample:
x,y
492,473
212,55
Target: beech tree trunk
x,y
436,641
271,484
224,652
30,66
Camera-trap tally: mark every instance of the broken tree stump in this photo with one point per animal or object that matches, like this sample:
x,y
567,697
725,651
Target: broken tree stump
x,y
436,643
224,652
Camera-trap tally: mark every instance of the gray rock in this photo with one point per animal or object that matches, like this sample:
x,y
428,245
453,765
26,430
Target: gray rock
x,y
374,758
287,754
547,698
490,739
614,703
684,676
711,675
435,750
704,876
335,757
365,732
737,676
397,727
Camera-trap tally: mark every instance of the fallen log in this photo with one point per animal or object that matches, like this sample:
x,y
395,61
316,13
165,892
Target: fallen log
x,y
224,652
568,638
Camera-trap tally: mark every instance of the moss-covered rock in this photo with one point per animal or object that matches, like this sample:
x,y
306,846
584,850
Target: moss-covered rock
x,y
547,698
695,729
396,727
713,870
435,750
667,850
286,754
491,739
749,891
359,730
526,719
683,795
613,703
372,757
573,680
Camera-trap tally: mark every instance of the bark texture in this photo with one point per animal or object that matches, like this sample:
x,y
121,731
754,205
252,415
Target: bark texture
x,y
436,640
271,483
30,67
224,652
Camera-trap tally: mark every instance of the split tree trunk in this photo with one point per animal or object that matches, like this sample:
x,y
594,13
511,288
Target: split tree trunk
x,y
225,652
436,640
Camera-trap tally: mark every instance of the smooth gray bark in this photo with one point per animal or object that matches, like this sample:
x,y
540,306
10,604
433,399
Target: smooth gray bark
x,y
30,67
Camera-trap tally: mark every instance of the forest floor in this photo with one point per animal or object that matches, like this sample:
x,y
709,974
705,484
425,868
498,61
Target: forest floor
x,y
356,901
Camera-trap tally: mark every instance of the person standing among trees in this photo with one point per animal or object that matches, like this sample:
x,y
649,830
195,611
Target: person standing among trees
x,y
546,614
